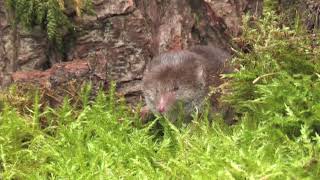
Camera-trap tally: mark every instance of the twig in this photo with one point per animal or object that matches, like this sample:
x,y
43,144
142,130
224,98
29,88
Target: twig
x,y
265,75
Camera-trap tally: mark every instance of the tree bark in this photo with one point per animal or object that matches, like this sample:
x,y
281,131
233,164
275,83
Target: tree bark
x,y
123,36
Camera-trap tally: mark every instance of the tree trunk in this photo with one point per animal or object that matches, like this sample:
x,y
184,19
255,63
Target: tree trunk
x,y
121,38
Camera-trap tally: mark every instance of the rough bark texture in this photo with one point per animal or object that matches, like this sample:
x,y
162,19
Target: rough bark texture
x,y
118,41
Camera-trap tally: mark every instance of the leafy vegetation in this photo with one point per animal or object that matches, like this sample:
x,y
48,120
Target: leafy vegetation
x,y
278,83
50,15
105,140
276,89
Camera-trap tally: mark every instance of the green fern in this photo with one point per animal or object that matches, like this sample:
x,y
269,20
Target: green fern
x,y
49,14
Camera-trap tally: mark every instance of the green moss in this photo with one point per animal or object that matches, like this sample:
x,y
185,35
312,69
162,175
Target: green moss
x,y
278,82
99,141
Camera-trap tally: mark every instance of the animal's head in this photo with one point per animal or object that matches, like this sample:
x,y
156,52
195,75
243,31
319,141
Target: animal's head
x,y
174,80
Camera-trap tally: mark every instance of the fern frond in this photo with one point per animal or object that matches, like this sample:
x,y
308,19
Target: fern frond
x,y
49,14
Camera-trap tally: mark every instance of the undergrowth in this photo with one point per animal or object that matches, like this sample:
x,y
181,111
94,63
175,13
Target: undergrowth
x,y
276,90
278,82
104,140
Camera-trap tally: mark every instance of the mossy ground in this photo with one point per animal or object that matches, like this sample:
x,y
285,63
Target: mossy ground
x,y
104,140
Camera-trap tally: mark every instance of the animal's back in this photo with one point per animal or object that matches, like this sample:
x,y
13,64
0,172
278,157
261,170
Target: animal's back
x,y
214,59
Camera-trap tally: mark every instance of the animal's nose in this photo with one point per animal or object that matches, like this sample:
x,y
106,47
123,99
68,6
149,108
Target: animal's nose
x,y
161,109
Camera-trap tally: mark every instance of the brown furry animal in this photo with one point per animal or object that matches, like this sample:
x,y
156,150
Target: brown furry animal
x,y
180,80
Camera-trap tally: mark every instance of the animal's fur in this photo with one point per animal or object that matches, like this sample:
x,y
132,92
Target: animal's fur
x,y
183,78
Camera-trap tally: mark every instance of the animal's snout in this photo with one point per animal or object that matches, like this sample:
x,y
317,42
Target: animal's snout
x,y
162,104
161,109
165,102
